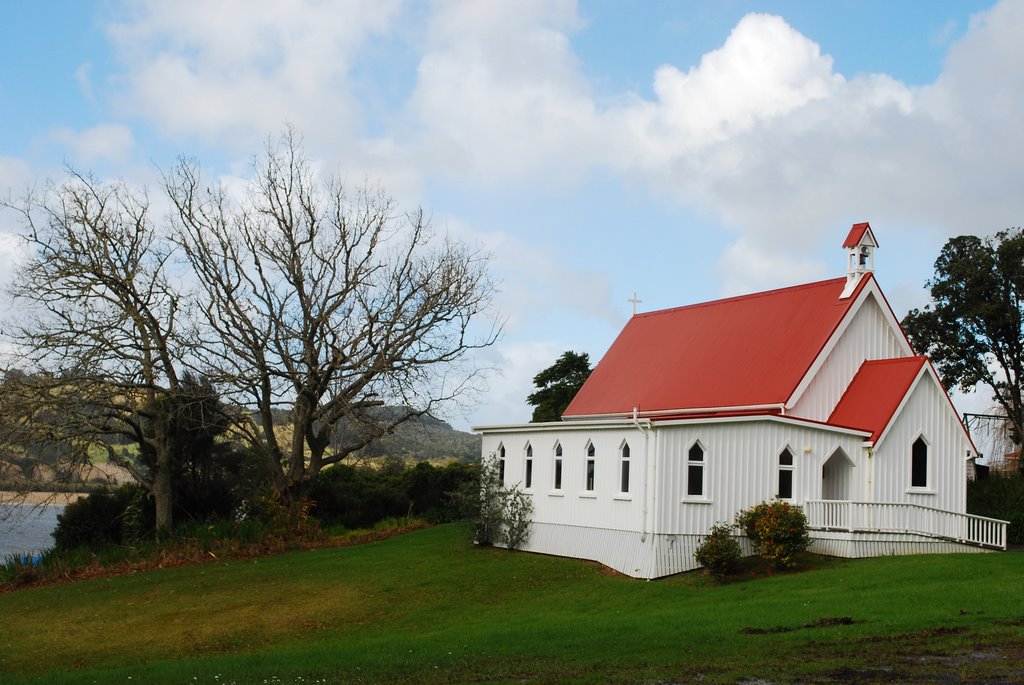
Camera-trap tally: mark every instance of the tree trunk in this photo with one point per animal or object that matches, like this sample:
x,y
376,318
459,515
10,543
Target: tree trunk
x,y
162,493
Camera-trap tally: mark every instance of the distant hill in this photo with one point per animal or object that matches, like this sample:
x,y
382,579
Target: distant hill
x,y
426,438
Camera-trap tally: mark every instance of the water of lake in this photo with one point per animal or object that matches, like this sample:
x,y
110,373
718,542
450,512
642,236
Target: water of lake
x,y
25,529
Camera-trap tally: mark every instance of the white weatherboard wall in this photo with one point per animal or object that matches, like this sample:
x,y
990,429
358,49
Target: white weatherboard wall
x,y
741,465
927,413
869,335
605,506
654,529
603,525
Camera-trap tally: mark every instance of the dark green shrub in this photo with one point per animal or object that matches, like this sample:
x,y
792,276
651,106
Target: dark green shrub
x,y
778,531
1000,497
719,552
437,493
360,496
116,517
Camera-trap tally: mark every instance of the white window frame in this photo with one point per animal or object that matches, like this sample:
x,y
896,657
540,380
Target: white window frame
x,y
590,468
790,468
557,468
927,488
703,465
625,453
501,463
528,467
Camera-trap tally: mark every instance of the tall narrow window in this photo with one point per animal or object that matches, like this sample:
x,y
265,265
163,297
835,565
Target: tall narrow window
x,y
919,464
786,474
501,464
695,471
529,466
590,466
558,467
624,468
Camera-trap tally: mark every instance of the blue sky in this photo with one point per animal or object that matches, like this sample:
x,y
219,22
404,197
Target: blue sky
x,y
684,150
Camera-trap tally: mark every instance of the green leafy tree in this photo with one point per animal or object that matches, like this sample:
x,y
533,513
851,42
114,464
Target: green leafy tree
x,y
558,384
974,330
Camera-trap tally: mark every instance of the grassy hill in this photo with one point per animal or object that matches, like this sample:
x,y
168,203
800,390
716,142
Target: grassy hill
x,y
429,607
426,438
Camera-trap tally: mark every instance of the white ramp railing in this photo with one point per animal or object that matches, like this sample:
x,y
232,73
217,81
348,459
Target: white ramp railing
x,y
896,517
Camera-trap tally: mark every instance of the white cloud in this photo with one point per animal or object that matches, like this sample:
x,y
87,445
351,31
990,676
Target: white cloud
x,y
106,142
764,70
15,180
83,76
814,148
500,93
14,174
516,364
762,134
745,263
232,71
533,282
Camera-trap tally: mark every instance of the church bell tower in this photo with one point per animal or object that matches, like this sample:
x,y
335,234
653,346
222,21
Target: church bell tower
x,y
860,247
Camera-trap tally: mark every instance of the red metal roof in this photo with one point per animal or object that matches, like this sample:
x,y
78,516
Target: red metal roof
x,y
875,393
738,352
856,233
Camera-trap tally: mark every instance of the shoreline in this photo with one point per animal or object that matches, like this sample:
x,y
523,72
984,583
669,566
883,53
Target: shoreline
x,y
40,497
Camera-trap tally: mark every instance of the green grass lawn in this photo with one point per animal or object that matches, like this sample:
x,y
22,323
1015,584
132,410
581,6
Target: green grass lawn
x,y
429,607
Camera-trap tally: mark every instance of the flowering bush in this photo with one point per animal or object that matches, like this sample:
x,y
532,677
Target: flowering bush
x,y
777,529
718,551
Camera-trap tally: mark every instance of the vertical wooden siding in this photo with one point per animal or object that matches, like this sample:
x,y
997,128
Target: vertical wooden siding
x,y
573,505
741,469
868,336
927,413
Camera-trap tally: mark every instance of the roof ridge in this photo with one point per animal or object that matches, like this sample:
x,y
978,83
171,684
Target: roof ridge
x,y
748,296
892,360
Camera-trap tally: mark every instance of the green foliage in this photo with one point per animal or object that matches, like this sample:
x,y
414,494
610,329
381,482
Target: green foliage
x,y
516,520
504,513
558,384
210,475
1000,497
107,517
718,551
491,503
777,529
976,323
360,496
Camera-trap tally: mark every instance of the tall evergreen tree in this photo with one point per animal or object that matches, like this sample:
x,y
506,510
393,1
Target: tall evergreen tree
x,y
974,330
558,384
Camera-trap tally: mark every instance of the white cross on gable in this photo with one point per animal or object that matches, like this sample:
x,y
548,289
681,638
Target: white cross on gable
x,y
635,300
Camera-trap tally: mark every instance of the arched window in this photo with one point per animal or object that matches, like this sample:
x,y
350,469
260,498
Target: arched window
x,y
558,466
591,452
529,466
785,474
695,471
501,463
919,464
624,468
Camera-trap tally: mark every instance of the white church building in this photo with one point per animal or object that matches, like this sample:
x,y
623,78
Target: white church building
x,y
811,394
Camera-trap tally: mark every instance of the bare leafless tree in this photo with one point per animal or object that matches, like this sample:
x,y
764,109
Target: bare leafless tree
x,y
99,330
328,306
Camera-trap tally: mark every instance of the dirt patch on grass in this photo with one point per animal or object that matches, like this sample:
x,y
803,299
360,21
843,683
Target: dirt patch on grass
x,y
823,622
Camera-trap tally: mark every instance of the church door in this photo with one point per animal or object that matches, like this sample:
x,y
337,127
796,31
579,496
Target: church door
x,y
837,476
